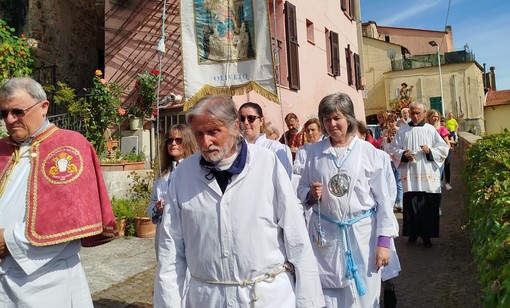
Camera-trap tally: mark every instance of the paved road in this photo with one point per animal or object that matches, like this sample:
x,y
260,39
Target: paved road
x,y
121,273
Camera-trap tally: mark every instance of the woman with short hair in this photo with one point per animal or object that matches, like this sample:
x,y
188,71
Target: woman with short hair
x,y
351,188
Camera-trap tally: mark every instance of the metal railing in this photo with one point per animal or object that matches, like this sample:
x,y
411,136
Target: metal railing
x,y
430,60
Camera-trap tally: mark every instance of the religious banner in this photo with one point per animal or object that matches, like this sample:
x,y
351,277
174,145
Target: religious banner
x,y
226,48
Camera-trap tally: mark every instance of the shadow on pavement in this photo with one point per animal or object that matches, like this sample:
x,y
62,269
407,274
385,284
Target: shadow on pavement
x,y
108,303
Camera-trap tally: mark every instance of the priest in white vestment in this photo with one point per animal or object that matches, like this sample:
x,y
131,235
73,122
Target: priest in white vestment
x,y
419,152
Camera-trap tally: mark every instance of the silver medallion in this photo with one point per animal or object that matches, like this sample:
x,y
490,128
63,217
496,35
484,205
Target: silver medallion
x,y
339,184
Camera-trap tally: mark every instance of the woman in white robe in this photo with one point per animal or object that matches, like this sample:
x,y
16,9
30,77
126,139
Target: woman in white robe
x,y
179,143
252,120
346,182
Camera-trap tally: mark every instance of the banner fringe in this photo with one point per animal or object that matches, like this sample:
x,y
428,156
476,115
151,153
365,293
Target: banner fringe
x,y
231,91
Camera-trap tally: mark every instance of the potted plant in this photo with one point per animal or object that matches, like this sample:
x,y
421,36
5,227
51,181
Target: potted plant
x,y
123,211
135,161
145,103
129,162
140,191
142,223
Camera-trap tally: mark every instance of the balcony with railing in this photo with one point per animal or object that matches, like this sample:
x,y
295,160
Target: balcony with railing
x,y
430,60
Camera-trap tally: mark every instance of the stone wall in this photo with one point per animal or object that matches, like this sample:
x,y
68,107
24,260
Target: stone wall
x,y
118,182
466,139
64,33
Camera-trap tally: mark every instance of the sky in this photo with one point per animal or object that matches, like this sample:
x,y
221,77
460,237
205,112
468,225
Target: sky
x,y
483,25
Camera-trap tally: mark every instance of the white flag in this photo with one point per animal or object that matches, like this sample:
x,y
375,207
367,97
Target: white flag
x,y
226,48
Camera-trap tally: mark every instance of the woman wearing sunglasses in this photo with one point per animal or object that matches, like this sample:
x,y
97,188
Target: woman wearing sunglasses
x,y
179,144
252,123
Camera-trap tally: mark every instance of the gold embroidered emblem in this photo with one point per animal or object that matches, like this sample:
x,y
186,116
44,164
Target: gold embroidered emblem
x,y
63,165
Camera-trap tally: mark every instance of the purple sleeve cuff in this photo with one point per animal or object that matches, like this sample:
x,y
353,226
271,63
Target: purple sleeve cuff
x,y
383,241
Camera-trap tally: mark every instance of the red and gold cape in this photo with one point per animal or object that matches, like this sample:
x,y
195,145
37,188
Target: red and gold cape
x,y
66,197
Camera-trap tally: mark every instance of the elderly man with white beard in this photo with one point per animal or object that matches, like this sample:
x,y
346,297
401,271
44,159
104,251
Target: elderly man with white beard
x,y
233,232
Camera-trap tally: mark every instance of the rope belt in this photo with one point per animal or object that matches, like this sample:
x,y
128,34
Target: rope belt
x,y
351,270
266,277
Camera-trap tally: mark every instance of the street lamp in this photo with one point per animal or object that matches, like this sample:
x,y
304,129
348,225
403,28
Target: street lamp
x,y
434,44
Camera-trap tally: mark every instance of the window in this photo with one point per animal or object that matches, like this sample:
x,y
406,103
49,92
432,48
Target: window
x,y
387,38
328,51
353,68
309,32
332,52
347,7
357,72
280,49
335,53
435,103
348,57
292,46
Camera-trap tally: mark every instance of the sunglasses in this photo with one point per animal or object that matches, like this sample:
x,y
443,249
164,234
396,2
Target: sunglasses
x,y
251,118
178,141
17,113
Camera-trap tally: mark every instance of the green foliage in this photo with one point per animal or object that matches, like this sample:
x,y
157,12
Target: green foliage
x,y
487,179
104,108
96,112
146,86
141,186
15,54
122,208
132,157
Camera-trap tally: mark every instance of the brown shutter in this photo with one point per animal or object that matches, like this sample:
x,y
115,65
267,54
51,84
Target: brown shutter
x,y
348,64
343,4
292,46
351,8
357,71
335,53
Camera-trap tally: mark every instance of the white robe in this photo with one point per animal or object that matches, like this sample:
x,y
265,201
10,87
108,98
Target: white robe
x,y
422,174
47,276
300,160
371,186
281,150
253,227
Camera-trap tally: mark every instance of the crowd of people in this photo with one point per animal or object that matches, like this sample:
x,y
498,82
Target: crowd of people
x,y
305,219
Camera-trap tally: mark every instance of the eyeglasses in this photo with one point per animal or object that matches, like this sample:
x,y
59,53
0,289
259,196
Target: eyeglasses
x,y
251,118
17,113
178,141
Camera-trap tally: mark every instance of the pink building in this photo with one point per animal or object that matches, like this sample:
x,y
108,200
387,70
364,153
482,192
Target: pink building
x,y
318,52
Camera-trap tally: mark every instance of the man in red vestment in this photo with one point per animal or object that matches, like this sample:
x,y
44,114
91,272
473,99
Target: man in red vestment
x,y
295,136
52,201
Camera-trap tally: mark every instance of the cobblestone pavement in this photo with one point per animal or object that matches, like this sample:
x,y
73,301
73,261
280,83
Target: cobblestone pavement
x,y
135,292
441,276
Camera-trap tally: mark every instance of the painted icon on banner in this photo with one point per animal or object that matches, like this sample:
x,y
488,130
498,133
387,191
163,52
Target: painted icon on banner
x,y
224,30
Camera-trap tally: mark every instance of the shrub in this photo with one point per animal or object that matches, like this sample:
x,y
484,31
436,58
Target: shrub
x,y
95,113
15,54
487,179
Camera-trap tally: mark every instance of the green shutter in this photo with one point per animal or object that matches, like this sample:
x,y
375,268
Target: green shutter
x,y
435,103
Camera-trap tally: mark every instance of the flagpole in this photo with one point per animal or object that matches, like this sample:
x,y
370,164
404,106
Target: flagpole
x,y
161,51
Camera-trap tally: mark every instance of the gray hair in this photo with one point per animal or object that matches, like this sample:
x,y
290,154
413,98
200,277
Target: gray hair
x,y
30,86
338,102
416,105
220,107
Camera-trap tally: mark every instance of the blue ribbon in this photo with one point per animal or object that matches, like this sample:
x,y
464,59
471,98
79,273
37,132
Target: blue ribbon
x,y
351,270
